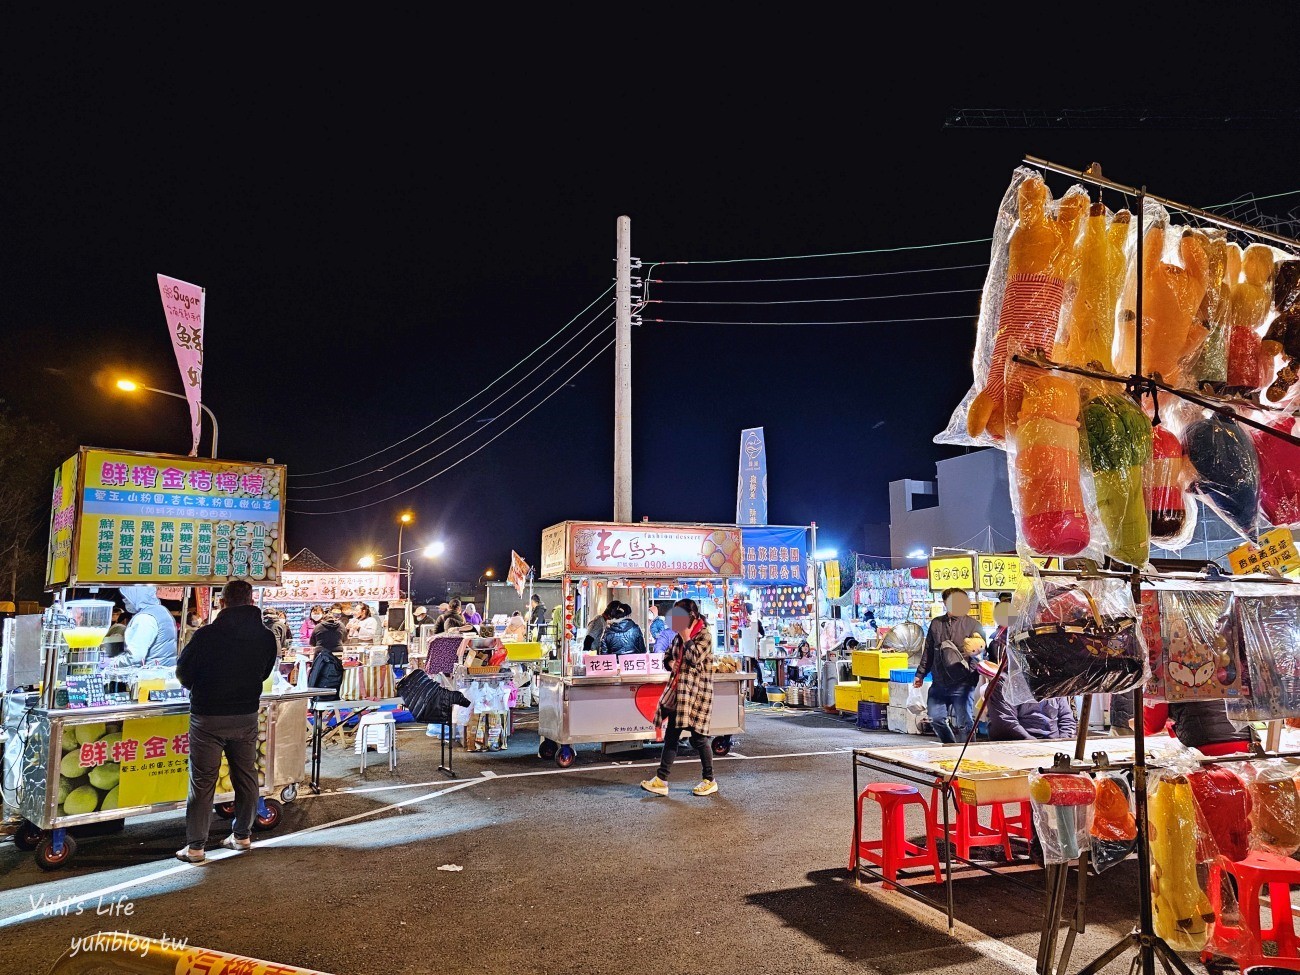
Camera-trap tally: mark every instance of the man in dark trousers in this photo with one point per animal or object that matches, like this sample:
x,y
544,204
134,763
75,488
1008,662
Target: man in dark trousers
x,y
224,666
952,642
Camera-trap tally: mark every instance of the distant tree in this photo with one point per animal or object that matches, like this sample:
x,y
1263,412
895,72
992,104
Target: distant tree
x,y
30,450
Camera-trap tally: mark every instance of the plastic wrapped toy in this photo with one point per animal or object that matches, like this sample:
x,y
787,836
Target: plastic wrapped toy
x,y
1061,804
1283,335
1226,470
1114,829
1275,823
1223,806
1180,907
1167,501
1211,367
1050,508
1118,435
1279,473
1248,305
1267,624
1171,297
1088,332
1040,256
1201,645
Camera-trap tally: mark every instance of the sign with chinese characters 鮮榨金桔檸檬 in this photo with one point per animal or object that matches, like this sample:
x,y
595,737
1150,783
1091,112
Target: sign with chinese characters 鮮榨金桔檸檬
x,y
170,520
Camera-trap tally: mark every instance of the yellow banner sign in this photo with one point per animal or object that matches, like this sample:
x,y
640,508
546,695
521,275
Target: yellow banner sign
x,y
1276,550
156,760
164,519
952,572
999,573
63,518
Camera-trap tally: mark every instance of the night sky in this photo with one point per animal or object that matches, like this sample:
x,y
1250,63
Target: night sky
x,y
378,244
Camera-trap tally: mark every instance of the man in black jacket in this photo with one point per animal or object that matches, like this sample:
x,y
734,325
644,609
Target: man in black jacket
x,y
224,666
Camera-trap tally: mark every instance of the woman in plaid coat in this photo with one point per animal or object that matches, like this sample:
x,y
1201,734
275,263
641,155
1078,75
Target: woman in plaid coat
x,y
687,701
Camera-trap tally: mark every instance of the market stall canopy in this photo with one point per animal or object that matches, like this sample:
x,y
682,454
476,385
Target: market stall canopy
x,y
308,561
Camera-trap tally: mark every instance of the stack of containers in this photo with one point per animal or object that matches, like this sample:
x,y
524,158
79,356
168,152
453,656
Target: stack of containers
x,y
899,718
872,668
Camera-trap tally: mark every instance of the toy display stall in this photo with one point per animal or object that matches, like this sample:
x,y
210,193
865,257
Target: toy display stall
x,y
612,699
87,743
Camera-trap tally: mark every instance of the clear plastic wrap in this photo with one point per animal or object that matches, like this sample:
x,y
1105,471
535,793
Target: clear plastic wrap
x,y
1210,369
1283,335
1275,805
1118,437
1044,462
1062,805
1032,255
1279,472
1171,509
1267,624
1201,657
1181,910
1223,805
1225,469
1080,638
1087,335
1249,300
1113,831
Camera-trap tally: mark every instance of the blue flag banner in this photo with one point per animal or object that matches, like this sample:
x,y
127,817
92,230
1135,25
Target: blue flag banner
x,y
775,556
751,490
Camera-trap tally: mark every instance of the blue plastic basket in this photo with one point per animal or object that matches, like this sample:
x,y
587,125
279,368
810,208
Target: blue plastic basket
x,y
871,716
905,675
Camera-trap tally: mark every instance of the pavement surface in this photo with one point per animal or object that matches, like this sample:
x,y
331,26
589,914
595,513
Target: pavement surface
x,y
562,871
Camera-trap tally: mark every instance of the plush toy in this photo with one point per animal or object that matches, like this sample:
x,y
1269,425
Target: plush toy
x,y
1226,470
1211,369
1052,517
1277,812
1223,802
1166,503
1171,296
1279,473
1118,435
1114,829
1040,254
1248,306
1283,335
1180,907
1088,333
1068,796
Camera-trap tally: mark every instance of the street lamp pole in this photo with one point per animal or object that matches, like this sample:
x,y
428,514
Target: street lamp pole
x,y
128,386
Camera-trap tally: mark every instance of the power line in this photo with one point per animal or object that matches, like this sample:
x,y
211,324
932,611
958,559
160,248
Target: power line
x,y
477,413
817,277
371,504
812,301
870,321
353,463
468,436
805,257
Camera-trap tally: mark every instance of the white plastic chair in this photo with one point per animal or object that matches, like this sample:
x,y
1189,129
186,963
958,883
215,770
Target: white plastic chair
x,y
379,729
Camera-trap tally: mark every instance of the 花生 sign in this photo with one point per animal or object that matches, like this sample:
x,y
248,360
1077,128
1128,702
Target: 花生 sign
x,y
644,550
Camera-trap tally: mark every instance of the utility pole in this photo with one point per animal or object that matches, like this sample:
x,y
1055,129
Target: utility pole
x,y
623,371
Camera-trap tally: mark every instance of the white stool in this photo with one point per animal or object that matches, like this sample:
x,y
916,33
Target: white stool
x,y
378,729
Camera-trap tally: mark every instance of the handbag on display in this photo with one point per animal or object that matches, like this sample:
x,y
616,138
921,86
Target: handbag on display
x,y
1070,646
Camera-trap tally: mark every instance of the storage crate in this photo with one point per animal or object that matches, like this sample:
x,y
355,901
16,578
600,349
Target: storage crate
x,y
871,716
877,664
903,721
876,691
906,675
847,696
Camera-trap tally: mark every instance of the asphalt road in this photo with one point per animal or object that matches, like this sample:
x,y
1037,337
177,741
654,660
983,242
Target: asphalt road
x,y
563,871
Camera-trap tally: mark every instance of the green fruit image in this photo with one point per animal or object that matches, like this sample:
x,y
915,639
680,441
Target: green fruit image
x,y
71,767
104,776
69,740
81,800
110,800
89,732
111,739
64,788
114,727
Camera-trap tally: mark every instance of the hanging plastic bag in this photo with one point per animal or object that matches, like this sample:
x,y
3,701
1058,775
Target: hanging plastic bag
x,y
1171,508
916,699
1266,626
1118,437
1275,818
1226,470
1062,805
1113,830
1279,470
1200,645
1223,802
1181,909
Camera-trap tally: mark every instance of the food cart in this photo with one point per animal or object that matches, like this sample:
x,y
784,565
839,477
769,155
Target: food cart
x,y
85,743
614,699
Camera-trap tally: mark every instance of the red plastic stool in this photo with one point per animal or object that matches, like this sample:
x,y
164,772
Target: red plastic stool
x,y
1021,825
967,831
1245,943
893,852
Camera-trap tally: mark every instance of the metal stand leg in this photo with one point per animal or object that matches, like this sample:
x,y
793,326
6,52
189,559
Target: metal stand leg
x,y
316,747
446,750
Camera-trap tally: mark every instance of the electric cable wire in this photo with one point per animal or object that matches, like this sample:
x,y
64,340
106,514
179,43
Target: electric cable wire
x,y
817,277
398,443
468,436
869,321
477,413
370,504
813,301
806,257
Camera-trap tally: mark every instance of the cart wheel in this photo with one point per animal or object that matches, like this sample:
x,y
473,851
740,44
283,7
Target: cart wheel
x,y
289,793
27,836
47,859
547,749
225,810
272,818
722,745
566,756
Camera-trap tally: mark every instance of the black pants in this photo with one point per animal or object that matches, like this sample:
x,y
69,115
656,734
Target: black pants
x,y
701,743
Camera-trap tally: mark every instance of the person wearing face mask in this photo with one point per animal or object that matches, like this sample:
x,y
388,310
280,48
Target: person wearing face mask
x,y
150,637
951,645
309,624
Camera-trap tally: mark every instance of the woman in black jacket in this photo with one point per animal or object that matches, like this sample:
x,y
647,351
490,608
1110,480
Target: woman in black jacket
x,y
327,669
621,634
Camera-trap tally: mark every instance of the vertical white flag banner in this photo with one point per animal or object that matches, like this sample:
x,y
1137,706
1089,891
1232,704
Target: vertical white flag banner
x,y
183,306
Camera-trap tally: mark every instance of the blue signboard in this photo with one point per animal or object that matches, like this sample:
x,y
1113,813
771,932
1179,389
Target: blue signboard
x,y
751,489
775,556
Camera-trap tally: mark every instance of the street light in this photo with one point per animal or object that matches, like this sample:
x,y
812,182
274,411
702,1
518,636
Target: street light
x,y
916,553
487,574
373,562
404,519
434,549
130,386
366,561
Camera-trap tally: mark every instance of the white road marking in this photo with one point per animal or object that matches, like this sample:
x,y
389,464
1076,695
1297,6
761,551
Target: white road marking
x,y
94,895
